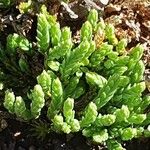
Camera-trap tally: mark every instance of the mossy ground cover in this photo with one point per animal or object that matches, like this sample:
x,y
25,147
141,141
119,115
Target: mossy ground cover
x,y
25,47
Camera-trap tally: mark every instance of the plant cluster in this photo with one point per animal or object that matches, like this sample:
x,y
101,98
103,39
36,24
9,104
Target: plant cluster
x,y
95,86
5,3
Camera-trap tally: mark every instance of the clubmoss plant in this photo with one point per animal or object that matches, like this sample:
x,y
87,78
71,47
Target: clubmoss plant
x,y
98,73
6,3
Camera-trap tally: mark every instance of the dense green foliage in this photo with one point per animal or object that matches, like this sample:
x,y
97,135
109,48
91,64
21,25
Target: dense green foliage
x,y
94,86
5,3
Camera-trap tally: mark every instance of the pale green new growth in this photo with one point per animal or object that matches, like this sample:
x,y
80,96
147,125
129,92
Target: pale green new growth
x,y
128,133
44,79
95,79
68,123
68,110
74,59
99,54
9,101
120,47
110,34
93,18
107,92
15,41
122,114
19,107
62,47
57,98
137,118
105,120
90,115
86,31
43,33
55,34
114,145
38,101
101,136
